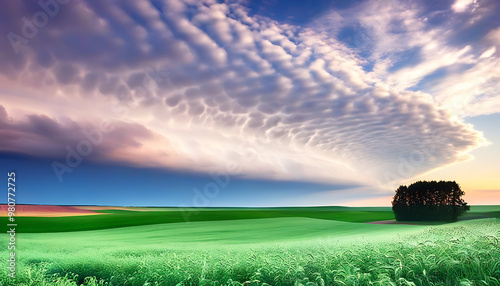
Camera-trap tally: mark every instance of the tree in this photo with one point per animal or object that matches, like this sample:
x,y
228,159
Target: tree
x,y
429,201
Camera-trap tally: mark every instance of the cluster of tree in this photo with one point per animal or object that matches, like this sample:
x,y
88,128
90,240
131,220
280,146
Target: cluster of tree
x,y
429,201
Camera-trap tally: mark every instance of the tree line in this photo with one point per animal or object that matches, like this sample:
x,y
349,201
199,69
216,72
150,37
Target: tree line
x,y
429,201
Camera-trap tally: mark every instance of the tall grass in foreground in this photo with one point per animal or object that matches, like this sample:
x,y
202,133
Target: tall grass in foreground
x,y
464,253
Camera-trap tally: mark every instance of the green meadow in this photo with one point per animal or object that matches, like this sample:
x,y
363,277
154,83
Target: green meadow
x,y
270,246
123,218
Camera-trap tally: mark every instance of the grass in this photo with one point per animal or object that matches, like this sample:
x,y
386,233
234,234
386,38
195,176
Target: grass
x,y
264,251
484,209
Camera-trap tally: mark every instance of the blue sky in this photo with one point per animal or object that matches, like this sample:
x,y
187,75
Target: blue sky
x,y
321,103
129,186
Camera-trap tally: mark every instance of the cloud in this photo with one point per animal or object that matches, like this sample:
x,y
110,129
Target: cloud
x,y
414,46
41,135
206,84
461,6
491,51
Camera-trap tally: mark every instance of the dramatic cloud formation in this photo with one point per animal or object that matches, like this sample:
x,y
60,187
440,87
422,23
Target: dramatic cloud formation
x,y
448,52
197,84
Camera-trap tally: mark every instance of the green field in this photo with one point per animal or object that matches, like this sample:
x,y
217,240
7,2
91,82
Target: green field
x,y
123,218
275,246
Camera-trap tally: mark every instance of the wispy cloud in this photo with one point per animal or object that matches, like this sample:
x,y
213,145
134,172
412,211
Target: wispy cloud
x,y
449,52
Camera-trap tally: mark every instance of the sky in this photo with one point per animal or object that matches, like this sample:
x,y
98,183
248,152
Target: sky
x,y
248,103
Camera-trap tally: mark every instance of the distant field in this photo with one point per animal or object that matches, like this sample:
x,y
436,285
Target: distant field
x,y
47,211
482,209
122,218
129,216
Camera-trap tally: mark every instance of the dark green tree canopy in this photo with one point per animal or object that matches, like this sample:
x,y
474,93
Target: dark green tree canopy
x,y
429,201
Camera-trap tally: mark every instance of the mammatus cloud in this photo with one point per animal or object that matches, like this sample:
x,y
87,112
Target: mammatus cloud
x,y
205,83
